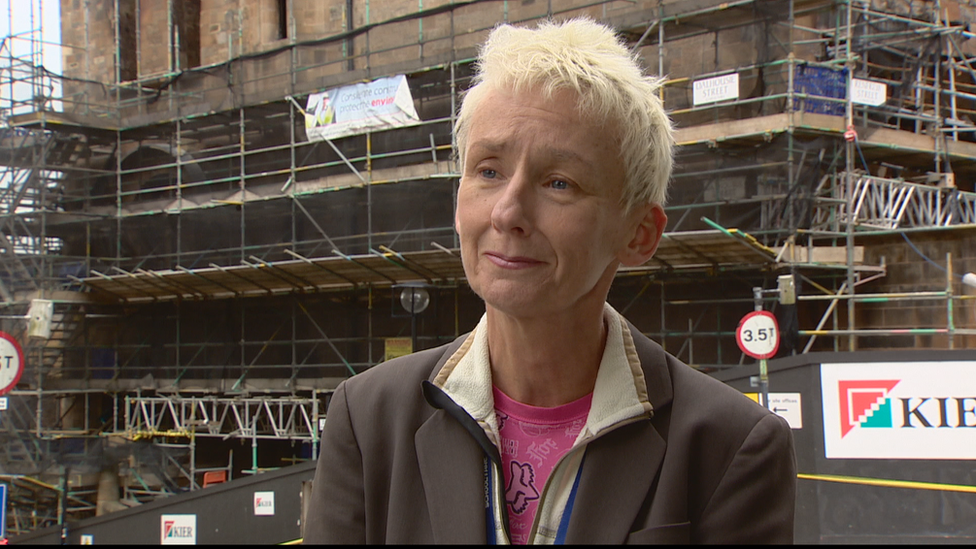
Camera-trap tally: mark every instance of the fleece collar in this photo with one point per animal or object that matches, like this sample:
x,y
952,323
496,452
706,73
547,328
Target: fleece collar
x,y
620,392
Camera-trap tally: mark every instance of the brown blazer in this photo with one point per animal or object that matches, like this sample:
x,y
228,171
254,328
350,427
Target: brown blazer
x,y
710,466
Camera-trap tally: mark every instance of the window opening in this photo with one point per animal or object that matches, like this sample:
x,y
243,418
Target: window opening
x,y
127,59
282,19
186,33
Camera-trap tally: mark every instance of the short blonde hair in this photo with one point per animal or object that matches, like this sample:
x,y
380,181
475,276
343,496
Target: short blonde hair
x,y
588,58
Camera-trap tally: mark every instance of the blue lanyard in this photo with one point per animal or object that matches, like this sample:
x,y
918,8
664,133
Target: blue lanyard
x,y
568,511
489,505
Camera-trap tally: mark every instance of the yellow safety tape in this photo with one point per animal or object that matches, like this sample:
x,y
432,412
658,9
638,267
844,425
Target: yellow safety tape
x,y
891,483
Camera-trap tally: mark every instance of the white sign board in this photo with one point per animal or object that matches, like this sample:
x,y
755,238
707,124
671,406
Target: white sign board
x,y
758,334
264,504
711,90
3,403
381,104
899,410
866,92
178,530
785,405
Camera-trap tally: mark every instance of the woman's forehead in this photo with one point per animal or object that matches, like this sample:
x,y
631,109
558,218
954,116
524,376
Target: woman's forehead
x,y
501,112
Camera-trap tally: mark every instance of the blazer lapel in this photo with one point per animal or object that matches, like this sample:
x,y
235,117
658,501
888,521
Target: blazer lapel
x,y
618,472
452,471
620,467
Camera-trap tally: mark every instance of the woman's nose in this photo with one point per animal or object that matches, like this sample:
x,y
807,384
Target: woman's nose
x,y
513,208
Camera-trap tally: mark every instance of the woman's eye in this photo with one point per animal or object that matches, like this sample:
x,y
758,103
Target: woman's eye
x,y
488,173
559,185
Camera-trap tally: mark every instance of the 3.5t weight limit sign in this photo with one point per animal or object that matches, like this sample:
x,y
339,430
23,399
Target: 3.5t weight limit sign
x,y
11,363
758,334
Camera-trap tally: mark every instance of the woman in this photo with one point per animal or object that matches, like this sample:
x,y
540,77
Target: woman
x,y
554,420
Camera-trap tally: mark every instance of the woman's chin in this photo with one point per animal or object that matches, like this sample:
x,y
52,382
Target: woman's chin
x,y
518,304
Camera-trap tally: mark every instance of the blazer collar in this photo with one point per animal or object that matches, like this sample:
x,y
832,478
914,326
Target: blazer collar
x,y
654,362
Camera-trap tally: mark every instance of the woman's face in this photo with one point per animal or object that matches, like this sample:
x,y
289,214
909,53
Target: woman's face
x,y
539,209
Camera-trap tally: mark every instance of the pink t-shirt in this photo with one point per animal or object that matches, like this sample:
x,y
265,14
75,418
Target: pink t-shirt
x,y
532,441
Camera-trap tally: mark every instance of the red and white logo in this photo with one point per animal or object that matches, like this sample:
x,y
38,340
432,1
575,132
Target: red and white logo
x,y
864,400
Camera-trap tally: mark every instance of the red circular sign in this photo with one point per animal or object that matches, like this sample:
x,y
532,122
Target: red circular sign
x,y
11,362
758,334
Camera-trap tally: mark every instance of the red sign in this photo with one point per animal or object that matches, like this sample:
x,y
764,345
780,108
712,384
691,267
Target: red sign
x,y
11,362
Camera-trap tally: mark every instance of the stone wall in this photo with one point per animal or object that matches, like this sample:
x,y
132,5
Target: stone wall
x,y
223,30
91,39
229,28
218,30
919,269
213,32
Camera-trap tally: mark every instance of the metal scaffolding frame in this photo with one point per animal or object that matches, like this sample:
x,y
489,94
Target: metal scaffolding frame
x,y
889,204
248,418
140,204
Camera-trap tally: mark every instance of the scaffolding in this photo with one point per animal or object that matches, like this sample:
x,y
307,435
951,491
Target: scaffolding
x,y
215,274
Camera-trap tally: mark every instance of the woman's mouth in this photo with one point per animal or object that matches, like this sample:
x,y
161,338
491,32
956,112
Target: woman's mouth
x,y
512,262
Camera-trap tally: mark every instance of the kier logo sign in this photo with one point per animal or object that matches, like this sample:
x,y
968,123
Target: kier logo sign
x,y
864,403
907,410
178,529
264,504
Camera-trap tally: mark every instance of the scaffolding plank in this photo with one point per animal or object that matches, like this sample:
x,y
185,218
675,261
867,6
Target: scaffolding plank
x,y
688,250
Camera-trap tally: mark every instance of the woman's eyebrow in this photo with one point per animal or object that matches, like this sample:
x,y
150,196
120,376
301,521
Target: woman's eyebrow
x,y
486,145
565,155
558,153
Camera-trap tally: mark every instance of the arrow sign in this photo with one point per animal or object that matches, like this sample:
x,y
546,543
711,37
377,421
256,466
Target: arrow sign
x,y
786,406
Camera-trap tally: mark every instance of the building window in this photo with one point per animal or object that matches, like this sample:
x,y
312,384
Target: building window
x,y
186,33
126,30
282,9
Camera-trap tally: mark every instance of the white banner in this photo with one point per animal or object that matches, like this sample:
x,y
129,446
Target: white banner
x,y
902,410
381,104
711,90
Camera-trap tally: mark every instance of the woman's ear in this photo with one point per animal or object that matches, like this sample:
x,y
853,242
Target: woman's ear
x,y
650,223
